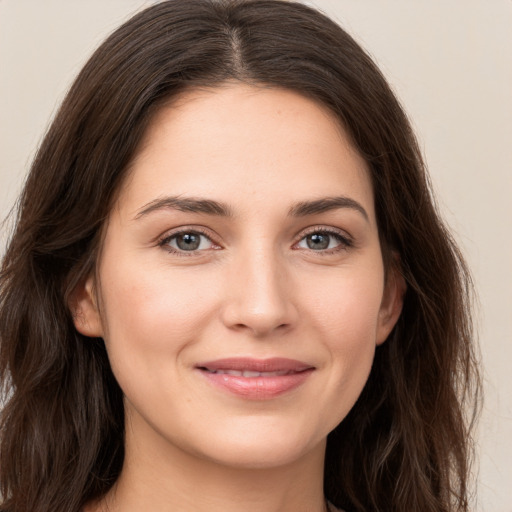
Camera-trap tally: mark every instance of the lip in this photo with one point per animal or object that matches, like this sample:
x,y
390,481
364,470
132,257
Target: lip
x,y
239,376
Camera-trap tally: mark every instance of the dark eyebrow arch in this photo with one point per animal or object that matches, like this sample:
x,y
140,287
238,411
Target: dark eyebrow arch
x,y
325,204
211,207
189,204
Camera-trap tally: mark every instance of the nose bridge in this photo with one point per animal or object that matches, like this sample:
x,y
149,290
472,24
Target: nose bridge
x,y
259,297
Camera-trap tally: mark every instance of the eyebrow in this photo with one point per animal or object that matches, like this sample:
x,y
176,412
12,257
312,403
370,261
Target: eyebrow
x,y
189,204
211,207
326,204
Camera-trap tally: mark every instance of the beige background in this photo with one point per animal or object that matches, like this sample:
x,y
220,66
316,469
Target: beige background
x,y
450,63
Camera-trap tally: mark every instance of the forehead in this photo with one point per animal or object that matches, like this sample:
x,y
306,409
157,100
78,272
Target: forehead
x,y
237,143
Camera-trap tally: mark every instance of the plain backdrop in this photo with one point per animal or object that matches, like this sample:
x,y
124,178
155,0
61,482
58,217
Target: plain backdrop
x,y
449,61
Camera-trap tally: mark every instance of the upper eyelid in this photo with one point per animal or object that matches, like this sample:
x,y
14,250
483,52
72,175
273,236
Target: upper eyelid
x,y
164,242
346,241
185,229
324,229
202,230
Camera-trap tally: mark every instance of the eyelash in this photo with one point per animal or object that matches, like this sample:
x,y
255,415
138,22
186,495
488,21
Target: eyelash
x,y
164,242
345,242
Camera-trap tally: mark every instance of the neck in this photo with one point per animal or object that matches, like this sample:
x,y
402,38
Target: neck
x,y
163,478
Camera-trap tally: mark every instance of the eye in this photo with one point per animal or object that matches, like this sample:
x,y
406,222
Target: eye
x,y
187,241
324,241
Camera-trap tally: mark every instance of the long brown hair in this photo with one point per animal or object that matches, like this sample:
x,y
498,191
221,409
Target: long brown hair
x,y
405,444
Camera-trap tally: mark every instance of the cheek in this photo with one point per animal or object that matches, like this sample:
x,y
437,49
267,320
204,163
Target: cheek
x,y
348,303
351,343
151,316
346,316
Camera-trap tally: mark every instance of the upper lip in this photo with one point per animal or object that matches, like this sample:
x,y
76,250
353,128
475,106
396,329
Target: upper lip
x,y
274,364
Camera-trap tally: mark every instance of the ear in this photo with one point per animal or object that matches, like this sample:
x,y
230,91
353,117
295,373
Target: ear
x,y
84,308
391,305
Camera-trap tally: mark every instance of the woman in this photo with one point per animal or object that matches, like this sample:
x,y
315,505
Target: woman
x,y
228,287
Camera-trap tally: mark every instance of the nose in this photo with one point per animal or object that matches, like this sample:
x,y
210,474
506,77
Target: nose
x,y
259,295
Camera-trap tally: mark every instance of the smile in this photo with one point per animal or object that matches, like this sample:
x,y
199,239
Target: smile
x,y
256,379
250,374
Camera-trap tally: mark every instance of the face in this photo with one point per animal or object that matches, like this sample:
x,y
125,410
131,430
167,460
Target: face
x,y
240,289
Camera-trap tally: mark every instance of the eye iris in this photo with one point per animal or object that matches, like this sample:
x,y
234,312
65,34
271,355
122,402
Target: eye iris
x,y
318,241
188,241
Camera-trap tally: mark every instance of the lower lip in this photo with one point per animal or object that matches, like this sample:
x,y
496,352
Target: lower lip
x,y
257,388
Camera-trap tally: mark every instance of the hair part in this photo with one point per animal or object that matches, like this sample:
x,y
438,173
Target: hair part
x,y
405,445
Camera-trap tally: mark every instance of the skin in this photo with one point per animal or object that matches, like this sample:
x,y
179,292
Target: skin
x,y
254,288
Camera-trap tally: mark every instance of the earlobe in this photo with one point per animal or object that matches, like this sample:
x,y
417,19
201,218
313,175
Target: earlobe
x,y
85,311
391,306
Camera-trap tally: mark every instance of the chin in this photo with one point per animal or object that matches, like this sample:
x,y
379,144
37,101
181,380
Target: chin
x,y
272,455
261,445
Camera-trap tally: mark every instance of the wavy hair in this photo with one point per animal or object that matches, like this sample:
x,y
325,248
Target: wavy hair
x,y
405,445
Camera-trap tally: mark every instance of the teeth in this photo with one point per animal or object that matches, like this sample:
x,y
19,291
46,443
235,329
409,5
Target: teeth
x,y
247,373
251,374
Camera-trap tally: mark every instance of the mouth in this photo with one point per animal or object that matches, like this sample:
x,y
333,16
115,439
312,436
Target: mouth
x,y
248,373
256,379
